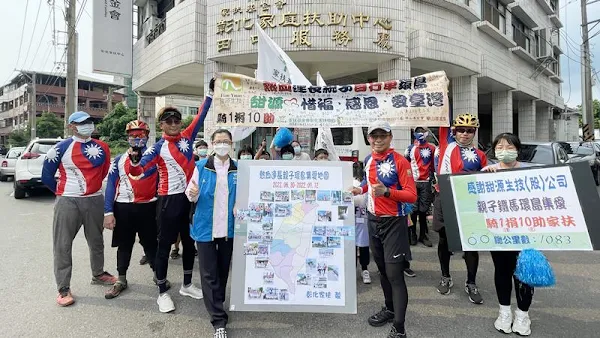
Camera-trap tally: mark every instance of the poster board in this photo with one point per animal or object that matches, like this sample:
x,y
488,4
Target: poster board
x,y
294,245
546,208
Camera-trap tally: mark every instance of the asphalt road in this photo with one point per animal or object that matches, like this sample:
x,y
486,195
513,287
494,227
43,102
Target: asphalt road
x,y
571,309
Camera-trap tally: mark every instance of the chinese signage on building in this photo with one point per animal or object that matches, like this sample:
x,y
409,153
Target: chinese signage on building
x,y
294,238
270,14
514,210
244,101
112,37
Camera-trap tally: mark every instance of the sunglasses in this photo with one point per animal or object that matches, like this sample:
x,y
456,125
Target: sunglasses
x,y
379,136
172,122
465,130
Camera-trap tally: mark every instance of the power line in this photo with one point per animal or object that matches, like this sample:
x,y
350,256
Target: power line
x,y
41,40
37,15
22,33
568,60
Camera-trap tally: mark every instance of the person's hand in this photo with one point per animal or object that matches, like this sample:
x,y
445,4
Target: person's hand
x,y
356,191
490,169
109,222
134,155
263,144
193,191
378,188
211,84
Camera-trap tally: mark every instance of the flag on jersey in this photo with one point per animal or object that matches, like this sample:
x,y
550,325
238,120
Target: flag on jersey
x,y
451,158
421,160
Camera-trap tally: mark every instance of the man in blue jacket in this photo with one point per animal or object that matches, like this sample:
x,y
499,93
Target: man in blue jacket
x,y
212,187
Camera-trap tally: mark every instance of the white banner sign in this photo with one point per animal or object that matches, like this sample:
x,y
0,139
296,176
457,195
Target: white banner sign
x,y
243,101
112,37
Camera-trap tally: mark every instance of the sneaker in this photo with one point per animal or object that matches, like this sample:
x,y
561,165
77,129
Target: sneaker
x,y
191,291
445,286
504,321
473,292
175,254
366,276
395,334
116,290
426,242
220,333
167,283
381,318
408,272
144,260
165,303
413,236
522,323
65,298
104,278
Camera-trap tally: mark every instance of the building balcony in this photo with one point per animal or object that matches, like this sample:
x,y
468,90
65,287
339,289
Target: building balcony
x,y
545,5
521,9
556,79
461,7
523,54
6,130
557,50
87,94
491,30
555,20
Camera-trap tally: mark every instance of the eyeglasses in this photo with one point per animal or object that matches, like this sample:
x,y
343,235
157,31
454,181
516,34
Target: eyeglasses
x,y
227,142
379,136
172,122
465,130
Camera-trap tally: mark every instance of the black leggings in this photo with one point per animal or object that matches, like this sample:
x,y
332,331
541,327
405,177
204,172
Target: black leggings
x,y
471,259
364,257
422,218
505,263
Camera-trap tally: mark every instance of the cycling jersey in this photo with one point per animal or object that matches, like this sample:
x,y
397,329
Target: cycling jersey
x,y
174,156
82,165
452,158
421,161
123,188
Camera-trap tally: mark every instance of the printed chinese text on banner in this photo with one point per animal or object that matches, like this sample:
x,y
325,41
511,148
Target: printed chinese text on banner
x,y
243,101
513,210
112,43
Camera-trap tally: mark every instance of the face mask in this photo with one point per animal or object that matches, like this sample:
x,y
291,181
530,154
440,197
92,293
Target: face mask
x,y
85,129
421,137
202,152
246,157
506,156
297,150
137,142
287,156
222,149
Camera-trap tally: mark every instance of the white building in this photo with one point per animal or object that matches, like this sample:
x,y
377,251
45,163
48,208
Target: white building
x,y
502,56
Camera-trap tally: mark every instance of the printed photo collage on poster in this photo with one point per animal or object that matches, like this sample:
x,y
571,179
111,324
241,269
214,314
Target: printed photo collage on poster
x,y
295,245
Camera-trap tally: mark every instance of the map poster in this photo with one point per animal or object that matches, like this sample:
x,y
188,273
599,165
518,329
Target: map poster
x,y
294,245
519,209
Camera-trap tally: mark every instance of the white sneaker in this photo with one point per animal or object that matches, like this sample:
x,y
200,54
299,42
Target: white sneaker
x,y
366,277
220,333
504,321
165,303
191,291
522,323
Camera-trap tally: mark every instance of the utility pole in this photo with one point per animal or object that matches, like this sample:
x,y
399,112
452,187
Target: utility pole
x,y
33,110
586,77
71,90
109,100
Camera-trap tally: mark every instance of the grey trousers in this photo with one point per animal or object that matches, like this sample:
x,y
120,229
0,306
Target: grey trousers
x,y
69,214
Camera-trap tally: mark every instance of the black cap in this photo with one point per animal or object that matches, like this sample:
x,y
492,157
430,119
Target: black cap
x,y
165,114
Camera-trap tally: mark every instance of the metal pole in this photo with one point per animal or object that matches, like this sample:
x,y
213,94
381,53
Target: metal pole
x,y
586,89
33,110
71,90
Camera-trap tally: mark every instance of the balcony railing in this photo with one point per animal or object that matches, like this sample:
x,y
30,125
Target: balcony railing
x,y
492,15
157,30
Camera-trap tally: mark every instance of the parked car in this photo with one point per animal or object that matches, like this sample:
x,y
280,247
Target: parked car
x,y
7,164
28,170
540,153
3,150
585,152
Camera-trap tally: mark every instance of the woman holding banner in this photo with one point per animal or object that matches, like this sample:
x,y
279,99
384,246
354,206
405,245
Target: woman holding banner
x,y
507,147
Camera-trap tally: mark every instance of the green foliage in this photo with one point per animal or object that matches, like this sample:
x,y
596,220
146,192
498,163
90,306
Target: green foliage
x,y
112,128
596,105
19,137
187,121
49,126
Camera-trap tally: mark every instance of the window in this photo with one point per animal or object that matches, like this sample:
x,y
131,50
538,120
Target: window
x,y
342,136
553,5
42,148
495,13
193,110
537,153
521,34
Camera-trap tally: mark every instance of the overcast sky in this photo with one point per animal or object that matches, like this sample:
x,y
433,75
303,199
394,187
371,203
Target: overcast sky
x,y
37,52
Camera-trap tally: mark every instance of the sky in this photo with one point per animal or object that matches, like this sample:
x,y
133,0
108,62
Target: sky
x,y
37,52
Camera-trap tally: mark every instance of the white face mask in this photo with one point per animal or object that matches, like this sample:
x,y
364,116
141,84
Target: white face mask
x,y
297,150
246,157
222,149
85,129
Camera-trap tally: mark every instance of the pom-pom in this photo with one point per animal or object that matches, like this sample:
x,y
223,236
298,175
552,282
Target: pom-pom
x,y
534,269
283,137
408,208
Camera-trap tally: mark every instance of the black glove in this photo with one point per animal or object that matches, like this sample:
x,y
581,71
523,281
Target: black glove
x,y
135,155
211,85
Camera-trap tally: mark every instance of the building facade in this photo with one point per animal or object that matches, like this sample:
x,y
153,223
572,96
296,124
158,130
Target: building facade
x,y
502,56
16,98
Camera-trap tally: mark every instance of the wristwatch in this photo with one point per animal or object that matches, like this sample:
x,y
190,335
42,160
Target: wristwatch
x,y
387,192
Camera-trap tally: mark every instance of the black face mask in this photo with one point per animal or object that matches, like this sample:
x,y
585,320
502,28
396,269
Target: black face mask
x,y
136,156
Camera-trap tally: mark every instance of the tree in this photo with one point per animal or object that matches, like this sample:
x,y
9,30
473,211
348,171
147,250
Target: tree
x,y
19,137
112,127
49,126
596,107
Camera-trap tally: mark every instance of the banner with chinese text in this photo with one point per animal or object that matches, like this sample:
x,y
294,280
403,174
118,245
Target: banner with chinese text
x,y
112,43
294,238
517,209
243,101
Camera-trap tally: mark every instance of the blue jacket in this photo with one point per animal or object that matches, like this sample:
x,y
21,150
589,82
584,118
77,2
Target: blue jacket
x,y
202,223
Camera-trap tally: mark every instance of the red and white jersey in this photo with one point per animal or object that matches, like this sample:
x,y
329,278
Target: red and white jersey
x,y
82,165
454,159
421,161
123,188
174,156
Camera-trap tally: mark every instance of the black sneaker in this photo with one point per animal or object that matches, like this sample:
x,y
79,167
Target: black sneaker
x,y
413,235
381,318
220,333
473,292
175,254
426,242
408,272
115,290
144,260
445,285
395,334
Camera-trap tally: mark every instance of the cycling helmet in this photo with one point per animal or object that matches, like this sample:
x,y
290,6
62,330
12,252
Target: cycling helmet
x,y
466,120
137,125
